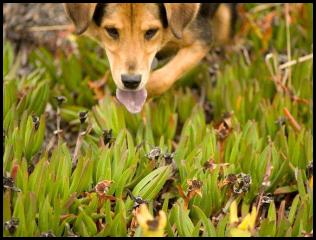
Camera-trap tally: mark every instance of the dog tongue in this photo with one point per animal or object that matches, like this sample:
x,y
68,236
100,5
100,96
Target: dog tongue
x,y
132,100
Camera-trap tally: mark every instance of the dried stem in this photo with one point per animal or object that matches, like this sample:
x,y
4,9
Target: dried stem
x,y
263,7
58,131
49,28
219,215
288,39
293,62
292,120
79,143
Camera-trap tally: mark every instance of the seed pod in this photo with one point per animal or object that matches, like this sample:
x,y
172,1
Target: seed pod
x,y
11,225
212,71
268,198
310,169
138,201
36,122
8,183
48,234
168,157
83,116
247,179
107,137
242,183
280,121
154,154
70,233
61,100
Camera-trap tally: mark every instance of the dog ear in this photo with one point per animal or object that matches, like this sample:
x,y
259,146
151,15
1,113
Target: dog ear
x,y
81,14
179,15
210,9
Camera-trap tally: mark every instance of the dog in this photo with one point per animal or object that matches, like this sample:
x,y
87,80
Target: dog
x,y
133,34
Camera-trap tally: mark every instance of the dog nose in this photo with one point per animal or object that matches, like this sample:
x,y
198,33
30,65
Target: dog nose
x,y
131,81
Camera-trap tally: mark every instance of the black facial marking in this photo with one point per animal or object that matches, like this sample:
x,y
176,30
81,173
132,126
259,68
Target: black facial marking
x,y
234,14
163,15
132,18
208,9
99,13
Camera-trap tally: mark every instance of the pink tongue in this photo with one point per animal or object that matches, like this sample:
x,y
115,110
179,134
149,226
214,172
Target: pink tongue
x,y
132,100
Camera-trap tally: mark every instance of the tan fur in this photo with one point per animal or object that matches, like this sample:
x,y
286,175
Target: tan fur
x,y
162,79
132,54
80,14
180,15
221,24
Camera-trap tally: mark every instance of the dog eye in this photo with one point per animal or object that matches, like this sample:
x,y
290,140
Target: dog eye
x,y
150,33
112,32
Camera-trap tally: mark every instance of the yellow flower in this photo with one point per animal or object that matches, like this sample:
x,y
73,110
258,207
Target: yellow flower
x,y
151,227
247,224
233,212
311,183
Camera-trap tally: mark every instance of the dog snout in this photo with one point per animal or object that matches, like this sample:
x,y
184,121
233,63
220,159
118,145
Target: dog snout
x,y
131,81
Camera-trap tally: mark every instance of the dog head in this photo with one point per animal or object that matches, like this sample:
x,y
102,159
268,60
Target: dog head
x,y
131,34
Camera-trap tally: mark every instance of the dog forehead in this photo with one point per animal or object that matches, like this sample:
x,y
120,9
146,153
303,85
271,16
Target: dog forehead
x,y
138,11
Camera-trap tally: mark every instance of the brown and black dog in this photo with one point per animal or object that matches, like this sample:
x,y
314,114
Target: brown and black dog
x,y
134,33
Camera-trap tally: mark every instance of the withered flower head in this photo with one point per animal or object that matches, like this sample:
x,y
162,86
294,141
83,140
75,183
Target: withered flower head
x,y
267,198
222,133
107,136
154,153
245,178
310,169
280,121
138,201
208,165
61,100
103,187
195,187
83,116
72,234
11,225
48,234
8,183
242,183
225,127
230,179
36,121
168,157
